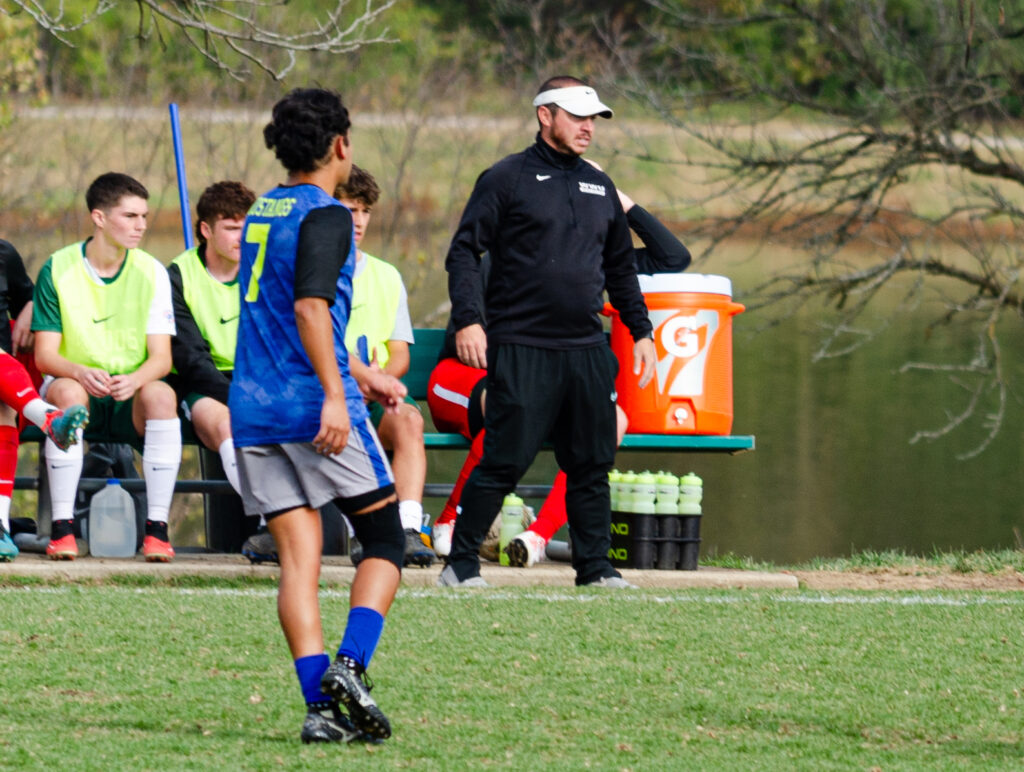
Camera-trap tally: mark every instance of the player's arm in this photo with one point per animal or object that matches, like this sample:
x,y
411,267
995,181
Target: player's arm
x,y
190,352
400,338
325,239
159,331
377,385
398,358
662,252
313,319
19,290
157,364
47,325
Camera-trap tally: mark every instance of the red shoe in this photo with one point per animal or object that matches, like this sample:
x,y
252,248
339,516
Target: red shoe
x,y
156,550
64,548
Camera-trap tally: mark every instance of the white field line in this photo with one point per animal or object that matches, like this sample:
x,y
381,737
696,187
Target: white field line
x,y
724,598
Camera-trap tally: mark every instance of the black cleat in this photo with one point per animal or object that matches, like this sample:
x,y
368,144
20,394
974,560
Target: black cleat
x,y
261,548
325,723
416,552
345,682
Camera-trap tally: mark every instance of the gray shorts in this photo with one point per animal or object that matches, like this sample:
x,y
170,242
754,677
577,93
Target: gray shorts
x,y
278,478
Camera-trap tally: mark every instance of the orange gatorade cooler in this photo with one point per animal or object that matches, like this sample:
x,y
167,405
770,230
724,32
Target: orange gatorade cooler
x,y
691,392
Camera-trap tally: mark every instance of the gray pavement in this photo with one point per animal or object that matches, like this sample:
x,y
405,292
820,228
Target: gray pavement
x,y
339,570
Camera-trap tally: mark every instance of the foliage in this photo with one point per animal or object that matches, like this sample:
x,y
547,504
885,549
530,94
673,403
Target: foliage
x,y
173,41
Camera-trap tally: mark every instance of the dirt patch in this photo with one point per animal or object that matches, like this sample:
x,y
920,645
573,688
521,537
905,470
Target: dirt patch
x,y
907,579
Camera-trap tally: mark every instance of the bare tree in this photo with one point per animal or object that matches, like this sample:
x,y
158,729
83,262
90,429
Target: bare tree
x,y
881,139
232,34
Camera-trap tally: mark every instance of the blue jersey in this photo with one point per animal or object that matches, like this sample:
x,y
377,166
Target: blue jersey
x,y
275,395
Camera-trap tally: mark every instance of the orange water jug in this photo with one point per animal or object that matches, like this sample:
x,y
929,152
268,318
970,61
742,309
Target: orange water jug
x,y
691,392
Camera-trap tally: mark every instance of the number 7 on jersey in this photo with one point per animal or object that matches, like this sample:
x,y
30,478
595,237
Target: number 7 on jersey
x,y
256,233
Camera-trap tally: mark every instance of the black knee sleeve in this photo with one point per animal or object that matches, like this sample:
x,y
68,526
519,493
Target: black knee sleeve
x,y
380,532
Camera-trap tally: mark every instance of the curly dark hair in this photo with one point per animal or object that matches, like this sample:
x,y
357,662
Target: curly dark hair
x,y
226,200
304,123
361,186
108,189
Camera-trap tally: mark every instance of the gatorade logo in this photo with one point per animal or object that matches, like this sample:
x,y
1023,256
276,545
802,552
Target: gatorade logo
x,y
618,554
684,340
620,529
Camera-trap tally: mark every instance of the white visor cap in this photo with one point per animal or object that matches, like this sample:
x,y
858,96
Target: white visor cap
x,y
580,101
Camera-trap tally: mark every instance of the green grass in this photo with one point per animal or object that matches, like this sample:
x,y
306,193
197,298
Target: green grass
x,y
955,561
153,676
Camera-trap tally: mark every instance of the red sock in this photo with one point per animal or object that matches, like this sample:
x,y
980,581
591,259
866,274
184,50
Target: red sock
x,y
16,389
552,514
476,451
8,459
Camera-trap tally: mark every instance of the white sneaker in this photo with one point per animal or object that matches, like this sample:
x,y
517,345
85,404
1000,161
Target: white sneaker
x,y
526,549
441,539
449,579
612,583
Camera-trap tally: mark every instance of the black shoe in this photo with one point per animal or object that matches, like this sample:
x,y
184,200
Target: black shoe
x,y
416,552
355,551
345,682
261,548
325,723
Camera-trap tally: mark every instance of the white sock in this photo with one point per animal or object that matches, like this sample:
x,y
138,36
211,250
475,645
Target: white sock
x,y
230,463
411,513
5,512
161,457
36,410
63,470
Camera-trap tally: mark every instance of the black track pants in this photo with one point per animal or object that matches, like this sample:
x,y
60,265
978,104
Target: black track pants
x,y
536,394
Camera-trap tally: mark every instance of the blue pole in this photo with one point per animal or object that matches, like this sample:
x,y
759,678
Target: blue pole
x,y
179,163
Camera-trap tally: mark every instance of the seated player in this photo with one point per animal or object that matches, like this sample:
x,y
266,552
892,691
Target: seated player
x,y
380,328
103,321
204,290
457,396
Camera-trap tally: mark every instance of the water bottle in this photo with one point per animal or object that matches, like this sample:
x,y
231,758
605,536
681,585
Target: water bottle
x,y
668,491
691,491
511,524
615,489
627,489
644,493
112,522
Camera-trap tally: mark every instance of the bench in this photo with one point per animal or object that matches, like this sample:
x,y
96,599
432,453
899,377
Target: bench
x,y
225,524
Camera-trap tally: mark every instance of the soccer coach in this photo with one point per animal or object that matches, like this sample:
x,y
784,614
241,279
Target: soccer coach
x,y
558,238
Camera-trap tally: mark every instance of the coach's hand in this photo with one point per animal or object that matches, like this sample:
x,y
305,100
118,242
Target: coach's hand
x,y
471,346
334,426
644,360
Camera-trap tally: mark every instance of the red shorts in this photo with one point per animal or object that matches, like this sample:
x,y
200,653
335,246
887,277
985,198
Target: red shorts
x,y
453,396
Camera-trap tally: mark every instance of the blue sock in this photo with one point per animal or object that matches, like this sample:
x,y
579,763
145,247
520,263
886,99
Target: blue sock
x,y
310,670
362,633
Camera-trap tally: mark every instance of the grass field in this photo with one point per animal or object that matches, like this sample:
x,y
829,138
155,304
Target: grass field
x,y
149,676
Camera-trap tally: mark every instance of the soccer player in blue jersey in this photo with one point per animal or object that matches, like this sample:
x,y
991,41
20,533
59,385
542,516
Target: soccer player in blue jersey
x,y
301,429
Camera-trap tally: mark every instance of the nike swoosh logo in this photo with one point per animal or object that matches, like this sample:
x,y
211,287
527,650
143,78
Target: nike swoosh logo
x,y
6,482
23,392
100,321
542,177
231,319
